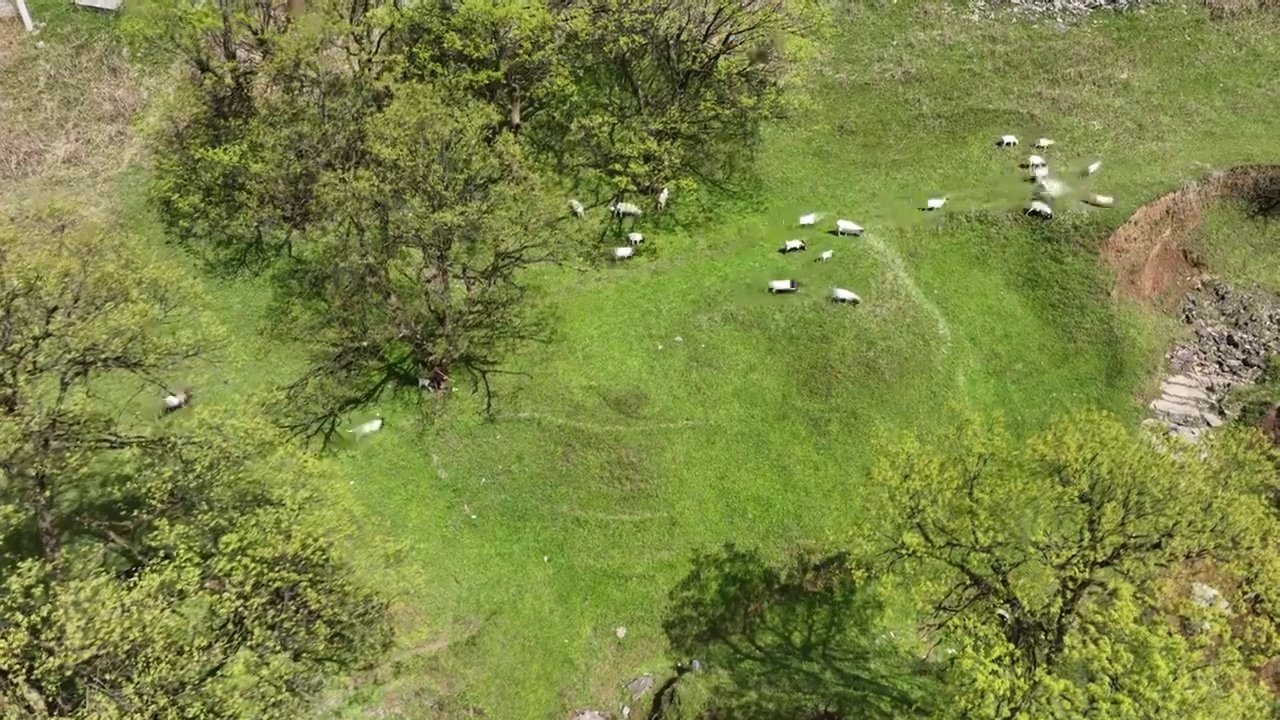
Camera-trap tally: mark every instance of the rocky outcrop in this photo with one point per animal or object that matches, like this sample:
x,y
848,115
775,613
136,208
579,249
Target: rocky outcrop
x,y
1235,334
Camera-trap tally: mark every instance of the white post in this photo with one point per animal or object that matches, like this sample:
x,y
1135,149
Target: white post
x,y
26,16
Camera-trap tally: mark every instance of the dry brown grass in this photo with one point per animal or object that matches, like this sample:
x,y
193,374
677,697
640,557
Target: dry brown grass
x,y
1223,9
68,108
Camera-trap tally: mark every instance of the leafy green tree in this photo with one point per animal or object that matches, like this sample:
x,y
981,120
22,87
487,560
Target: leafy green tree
x,y
149,569
1047,568
799,639
417,275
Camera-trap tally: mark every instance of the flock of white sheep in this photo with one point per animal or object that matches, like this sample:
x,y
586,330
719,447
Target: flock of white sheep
x,y
1048,190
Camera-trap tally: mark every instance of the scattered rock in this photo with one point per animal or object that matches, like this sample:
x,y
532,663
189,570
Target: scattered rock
x,y
1235,333
640,686
1206,596
1060,11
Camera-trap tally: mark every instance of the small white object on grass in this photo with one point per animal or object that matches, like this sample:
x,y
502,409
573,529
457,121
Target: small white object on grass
x,y
783,286
622,253
935,203
848,227
1043,143
1035,161
620,631
1051,187
793,246
176,401
635,238
1093,168
1040,171
1105,201
662,198
1007,141
577,208
624,209
841,295
369,426
1039,209
810,220
826,255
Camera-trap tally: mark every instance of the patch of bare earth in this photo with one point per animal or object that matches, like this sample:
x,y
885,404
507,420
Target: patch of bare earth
x,y
1149,254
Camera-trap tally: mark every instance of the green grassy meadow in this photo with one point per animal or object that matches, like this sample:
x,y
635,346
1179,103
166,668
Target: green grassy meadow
x,y
624,450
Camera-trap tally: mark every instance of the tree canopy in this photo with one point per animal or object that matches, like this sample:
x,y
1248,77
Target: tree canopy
x,y
149,569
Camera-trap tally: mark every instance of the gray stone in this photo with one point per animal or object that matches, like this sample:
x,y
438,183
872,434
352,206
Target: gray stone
x,y
640,686
1176,392
1207,596
1212,419
1183,414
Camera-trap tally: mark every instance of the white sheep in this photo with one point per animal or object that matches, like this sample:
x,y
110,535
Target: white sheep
x,y
848,227
1051,187
1105,201
826,255
841,295
810,220
1036,161
1007,141
1093,168
176,400
624,209
783,286
635,238
792,246
367,427
662,198
577,208
1040,209
1039,171
1043,143
622,253
935,203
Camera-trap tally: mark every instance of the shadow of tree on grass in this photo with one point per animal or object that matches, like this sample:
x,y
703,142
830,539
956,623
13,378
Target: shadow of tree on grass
x,y
801,639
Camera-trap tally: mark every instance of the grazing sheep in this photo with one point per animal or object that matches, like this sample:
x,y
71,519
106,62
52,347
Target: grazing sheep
x,y
826,255
662,199
792,246
1036,161
624,209
783,286
810,220
934,203
1039,172
176,400
1007,141
635,238
370,426
1105,201
1051,187
848,227
1043,143
1093,168
1039,209
577,208
841,295
622,253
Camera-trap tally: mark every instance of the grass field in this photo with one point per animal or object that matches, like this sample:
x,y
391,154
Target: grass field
x,y
625,449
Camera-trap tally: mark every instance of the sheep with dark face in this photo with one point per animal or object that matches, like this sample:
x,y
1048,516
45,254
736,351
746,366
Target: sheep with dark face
x,y
1040,209
176,400
783,286
792,246
1007,141
840,295
625,209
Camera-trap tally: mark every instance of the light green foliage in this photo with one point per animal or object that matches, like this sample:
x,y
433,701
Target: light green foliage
x,y
793,639
1045,565
149,571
